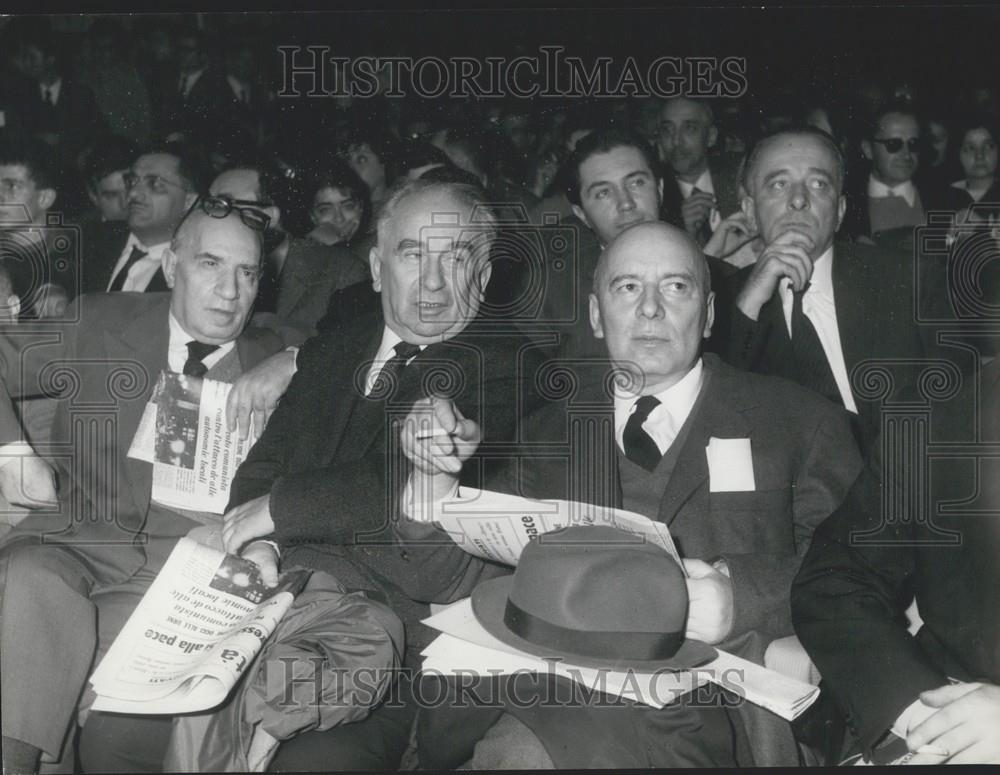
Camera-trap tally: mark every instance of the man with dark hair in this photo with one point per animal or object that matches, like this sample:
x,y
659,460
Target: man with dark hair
x,y
810,309
162,184
34,251
105,167
886,205
701,193
59,110
198,98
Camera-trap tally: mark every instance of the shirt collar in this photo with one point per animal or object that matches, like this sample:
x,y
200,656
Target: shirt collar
x,y
179,339
678,398
703,183
879,190
53,88
152,251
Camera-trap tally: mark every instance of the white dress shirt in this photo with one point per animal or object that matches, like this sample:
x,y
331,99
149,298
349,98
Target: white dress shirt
x,y
703,183
666,420
385,352
142,271
177,351
54,89
819,306
879,190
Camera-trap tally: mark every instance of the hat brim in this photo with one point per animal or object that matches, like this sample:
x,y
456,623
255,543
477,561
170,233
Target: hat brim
x,y
489,601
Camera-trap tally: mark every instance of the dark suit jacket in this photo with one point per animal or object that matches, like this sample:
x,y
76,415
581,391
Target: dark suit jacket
x,y
725,179
804,461
874,295
311,274
104,369
209,104
103,246
864,565
74,117
857,219
329,456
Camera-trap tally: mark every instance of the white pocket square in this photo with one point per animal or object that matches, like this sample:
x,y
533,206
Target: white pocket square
x,y
730,465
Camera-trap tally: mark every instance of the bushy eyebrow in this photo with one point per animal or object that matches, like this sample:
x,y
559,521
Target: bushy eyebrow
x,y
629,176
670,276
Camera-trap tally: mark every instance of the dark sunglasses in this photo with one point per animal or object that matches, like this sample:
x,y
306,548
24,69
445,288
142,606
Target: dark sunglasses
x,y
895,144
221,206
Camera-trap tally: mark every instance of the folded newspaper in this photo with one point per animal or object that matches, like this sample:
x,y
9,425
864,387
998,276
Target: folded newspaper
x,y
200,624
497,526
466,647
184,434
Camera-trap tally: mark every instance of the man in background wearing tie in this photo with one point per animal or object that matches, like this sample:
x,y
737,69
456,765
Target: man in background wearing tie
x,y
740,467
811,310
701,194
71,575
162,185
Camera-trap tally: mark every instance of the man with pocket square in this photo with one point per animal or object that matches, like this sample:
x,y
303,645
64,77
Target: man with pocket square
x,y
740,467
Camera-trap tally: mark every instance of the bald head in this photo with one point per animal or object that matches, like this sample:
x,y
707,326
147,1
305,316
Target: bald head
x,y
654,236
652,304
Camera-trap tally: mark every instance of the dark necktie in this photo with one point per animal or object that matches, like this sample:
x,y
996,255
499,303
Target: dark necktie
x,y
181,90
705,230
811,365
49,98
388,377
133,258
639,446
197,351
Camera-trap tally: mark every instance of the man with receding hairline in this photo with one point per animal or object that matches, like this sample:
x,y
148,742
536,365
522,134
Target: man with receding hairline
x,y
57,571
701,193
810,309
664,441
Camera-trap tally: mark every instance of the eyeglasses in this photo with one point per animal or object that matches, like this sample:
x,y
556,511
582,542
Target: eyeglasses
x,y
221,206
155,183
895,144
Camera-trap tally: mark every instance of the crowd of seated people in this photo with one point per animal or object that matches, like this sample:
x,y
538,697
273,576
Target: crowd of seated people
x,y
778,274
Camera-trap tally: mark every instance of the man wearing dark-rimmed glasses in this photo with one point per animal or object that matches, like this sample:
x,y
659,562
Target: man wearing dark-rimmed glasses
x,y
161,187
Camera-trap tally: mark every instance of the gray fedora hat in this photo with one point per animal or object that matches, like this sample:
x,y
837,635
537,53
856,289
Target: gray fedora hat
x,y
595,596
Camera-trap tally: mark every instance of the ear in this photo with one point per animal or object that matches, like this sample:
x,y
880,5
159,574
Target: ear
x,y
710,318
747,206
189,199
579,213
595,318
659,191
866,149
841,209
713,136
46,197
92,195
274,213
169,260
375,263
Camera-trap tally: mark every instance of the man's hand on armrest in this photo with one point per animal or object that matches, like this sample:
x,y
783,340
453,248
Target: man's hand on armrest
x,y
246,522
26,479
255,394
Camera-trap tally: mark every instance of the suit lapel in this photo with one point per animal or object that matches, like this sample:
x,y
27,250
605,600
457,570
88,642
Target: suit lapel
x,y
848,279
350,388
293,282
714,414
142,340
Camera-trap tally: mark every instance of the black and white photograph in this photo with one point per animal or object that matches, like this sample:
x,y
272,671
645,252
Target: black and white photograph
x,y
726,277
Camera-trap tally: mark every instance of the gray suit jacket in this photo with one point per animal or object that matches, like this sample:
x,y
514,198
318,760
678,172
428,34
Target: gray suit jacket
x,y
103,370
